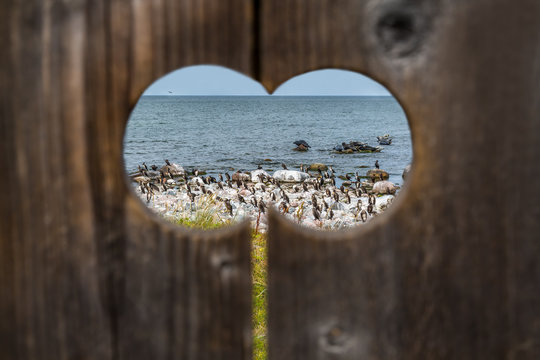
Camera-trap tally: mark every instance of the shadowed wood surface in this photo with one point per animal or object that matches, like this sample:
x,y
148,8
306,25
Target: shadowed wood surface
x,y
85,271
450,272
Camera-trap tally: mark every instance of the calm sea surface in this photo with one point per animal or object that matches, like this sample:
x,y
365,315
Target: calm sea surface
x,y
219,134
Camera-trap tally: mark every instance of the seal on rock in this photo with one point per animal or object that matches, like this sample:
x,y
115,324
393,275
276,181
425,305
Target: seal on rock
x,y
301,143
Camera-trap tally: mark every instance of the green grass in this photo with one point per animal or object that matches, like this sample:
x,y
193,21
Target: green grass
x,y
205,218
208,214
201,222
259,262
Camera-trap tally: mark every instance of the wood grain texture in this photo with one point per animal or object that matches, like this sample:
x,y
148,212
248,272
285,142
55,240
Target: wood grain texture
x,y
86,272
451,271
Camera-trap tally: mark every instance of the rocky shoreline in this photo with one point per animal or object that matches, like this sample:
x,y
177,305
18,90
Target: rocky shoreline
x,y
309,197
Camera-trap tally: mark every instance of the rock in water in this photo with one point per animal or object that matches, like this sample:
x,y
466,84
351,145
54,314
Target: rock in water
x,y
318,166
406,172
375,174
384,187
290,176
301,143
384,140
255,175
301,147
356,146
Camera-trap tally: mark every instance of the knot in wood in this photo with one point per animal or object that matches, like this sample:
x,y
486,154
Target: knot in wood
x,y
400,29
334,340
223,263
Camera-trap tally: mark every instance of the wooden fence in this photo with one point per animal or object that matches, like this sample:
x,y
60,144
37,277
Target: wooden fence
x,y
451,271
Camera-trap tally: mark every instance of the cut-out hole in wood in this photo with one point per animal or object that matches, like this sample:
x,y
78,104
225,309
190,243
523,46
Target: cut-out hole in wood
x,y
207,146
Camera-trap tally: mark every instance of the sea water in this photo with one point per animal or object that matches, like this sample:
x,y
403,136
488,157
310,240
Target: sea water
x,y
229,133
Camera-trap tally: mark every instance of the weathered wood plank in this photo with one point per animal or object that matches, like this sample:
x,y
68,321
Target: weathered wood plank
x,y
85,270
186,296
48,256
451,271
297,36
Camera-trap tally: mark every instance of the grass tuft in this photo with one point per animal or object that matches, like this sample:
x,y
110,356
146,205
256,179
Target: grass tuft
x,y
205,213
259,266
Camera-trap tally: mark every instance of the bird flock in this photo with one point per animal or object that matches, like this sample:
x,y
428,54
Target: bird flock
x,y
316,202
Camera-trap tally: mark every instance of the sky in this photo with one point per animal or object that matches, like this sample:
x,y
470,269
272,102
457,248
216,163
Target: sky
x,y
217,80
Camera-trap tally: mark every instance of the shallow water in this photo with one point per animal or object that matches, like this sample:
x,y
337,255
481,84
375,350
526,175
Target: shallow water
x,y
218,134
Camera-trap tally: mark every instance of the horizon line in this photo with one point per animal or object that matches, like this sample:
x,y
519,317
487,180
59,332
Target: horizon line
x,y
266,95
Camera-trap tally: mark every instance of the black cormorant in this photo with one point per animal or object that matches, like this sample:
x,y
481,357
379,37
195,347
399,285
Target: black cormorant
x,y
330,214
363,215
316,214
262,206
228,206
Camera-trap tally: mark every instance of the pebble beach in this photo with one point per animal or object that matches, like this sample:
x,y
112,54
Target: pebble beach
x,y
309,196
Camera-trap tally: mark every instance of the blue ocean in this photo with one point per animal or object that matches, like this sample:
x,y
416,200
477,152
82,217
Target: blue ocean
x,y
229,133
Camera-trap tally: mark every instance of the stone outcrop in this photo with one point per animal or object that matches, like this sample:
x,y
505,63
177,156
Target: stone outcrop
x,y
238,176
375,174
384,187
175,169
290,176
255,175
354,147
318,166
